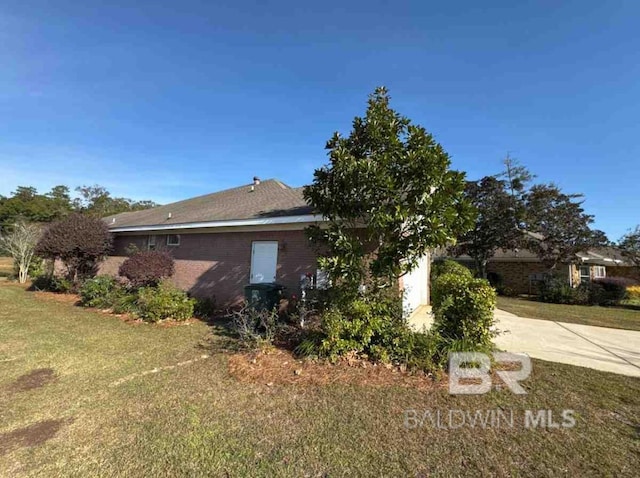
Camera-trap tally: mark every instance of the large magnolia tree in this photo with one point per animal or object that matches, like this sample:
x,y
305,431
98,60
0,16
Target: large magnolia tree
x,y
389,197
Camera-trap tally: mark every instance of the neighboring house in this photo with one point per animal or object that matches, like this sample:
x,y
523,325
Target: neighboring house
x,y
521,270
226,240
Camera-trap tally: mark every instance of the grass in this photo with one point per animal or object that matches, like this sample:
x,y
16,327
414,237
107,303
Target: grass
x,y
197,420
6,266
616,317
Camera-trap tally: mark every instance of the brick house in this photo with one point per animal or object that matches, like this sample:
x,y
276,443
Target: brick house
x,y
223,241
520,270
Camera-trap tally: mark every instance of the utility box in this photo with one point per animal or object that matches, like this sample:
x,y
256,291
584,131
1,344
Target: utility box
x,y
263,296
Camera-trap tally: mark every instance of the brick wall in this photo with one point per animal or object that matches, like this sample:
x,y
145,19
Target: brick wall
x,y
624,271
515,275
218,264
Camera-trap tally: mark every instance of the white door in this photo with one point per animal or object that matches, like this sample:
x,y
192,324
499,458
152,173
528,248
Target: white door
x,y
264,260
416,286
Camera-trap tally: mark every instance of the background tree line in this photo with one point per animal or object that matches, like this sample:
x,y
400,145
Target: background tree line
x,y
512,213
27,204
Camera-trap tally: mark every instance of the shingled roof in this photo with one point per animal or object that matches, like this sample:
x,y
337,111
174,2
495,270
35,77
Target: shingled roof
x,y
267,199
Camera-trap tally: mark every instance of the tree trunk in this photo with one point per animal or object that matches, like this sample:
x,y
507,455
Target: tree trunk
x,y
481,265
23,271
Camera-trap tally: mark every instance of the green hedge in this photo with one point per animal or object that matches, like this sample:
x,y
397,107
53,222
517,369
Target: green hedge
x,y
448,266
164,302
100,292
464,310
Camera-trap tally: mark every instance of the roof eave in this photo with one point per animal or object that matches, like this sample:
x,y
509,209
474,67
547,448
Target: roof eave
x,y
305,218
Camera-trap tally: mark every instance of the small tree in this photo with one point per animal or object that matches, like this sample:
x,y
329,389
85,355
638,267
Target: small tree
x,y
79,241
20,242
630,246
388,190
562,225
147,268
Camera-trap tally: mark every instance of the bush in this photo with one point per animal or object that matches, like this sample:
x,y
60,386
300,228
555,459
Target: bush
x,y
125,303
147,268
164,301
371,324
100,292
204,308
53,283
556,290
463,309
606,291
79,241
615,289
256,328
633,292
448,266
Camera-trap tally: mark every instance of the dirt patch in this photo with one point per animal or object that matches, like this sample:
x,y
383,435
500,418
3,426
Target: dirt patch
x,y
32,435
281,367
35,379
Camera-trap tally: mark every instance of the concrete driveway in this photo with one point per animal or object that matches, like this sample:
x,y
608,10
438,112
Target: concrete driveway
x,y
600,348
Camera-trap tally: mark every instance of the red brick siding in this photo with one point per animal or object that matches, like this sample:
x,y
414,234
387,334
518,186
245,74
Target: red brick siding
x,y
624,271
218,264
515,275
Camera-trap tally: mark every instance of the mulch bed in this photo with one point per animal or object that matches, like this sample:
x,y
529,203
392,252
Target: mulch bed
x,y
282,368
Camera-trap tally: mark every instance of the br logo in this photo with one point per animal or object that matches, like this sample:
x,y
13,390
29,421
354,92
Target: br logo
x,y
476,367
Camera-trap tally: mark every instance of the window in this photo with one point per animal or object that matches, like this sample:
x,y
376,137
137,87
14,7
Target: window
x,y
585,276
173,240
599,272
151,243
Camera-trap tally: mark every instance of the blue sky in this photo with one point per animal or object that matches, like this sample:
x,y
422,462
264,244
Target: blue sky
x,y
167,100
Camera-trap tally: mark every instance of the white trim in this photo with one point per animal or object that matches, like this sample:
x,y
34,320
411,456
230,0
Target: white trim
x,y
229,223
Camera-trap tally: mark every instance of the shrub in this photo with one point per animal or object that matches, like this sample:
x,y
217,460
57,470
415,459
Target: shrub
x,y
79,241
615,289
448,266
463,309
126,302
204,308
164,301
557,290
348,331
256,328
100,292
633,292
147,268
52,283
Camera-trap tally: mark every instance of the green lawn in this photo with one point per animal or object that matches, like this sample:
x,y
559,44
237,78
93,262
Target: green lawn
x,y
69,418
617,317
6,266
